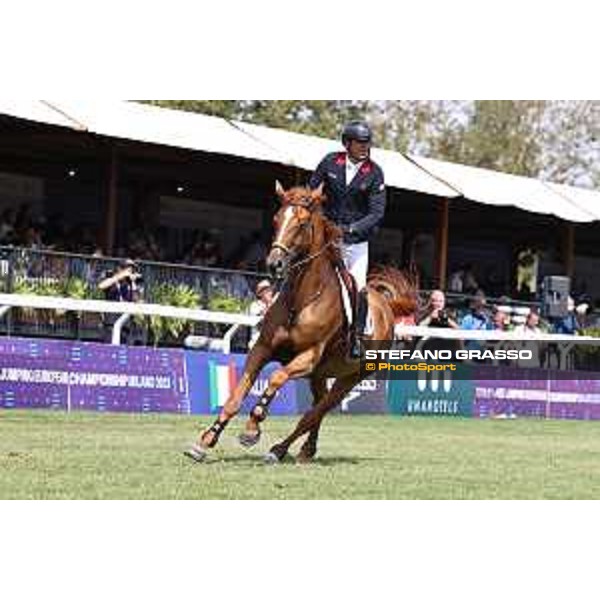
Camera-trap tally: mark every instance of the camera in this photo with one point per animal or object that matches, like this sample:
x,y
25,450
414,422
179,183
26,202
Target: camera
x,y
441,320
136,271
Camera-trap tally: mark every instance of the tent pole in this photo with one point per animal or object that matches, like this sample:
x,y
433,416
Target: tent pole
x,y
569,250
441,247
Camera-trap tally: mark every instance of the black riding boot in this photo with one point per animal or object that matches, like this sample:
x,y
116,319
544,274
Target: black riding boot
x,y
359,325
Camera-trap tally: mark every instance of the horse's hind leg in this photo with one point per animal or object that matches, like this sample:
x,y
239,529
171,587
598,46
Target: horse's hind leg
x,y
300,366
312,419
318,387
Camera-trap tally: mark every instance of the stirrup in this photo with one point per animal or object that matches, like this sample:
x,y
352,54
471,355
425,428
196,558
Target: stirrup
x,y
355,347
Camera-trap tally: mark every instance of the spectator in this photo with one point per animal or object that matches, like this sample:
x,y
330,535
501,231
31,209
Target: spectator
x,y
23,219
123,285
455,283
256,252
500,319
32,238
239,287
436,313
569,324
463,281
7,226
477,318
582,314
265,296
531,327
470,285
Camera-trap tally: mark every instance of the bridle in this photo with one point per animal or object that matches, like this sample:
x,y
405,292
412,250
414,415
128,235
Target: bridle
x,y
287,251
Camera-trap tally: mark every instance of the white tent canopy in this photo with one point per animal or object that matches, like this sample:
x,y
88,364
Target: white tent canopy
x,y
135,121
503,189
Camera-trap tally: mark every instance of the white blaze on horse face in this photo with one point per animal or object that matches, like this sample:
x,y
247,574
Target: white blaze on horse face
x,y
288,215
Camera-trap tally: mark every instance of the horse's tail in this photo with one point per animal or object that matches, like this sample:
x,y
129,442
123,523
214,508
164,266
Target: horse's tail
x,y
399,288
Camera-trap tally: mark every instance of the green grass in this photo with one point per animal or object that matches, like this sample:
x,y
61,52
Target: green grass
x,y
89,455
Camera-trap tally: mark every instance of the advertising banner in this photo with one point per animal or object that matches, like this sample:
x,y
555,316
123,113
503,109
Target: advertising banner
x,y
67,375
498,394
213,376
437,394
87,376
369,397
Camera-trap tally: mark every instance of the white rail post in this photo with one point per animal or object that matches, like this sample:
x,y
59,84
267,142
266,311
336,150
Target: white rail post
x,y
117,327
228,337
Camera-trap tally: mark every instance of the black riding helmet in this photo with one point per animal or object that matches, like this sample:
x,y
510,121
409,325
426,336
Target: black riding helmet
x,y
358,131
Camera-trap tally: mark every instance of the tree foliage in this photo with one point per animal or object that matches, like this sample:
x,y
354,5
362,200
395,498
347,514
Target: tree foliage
x,y
554,140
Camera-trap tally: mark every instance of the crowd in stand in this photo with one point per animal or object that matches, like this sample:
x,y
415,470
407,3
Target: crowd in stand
x,y
478,315
21,228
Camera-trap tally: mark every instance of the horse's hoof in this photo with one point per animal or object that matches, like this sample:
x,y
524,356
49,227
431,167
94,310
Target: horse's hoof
x,y
270,458
196,453
305,459
248,440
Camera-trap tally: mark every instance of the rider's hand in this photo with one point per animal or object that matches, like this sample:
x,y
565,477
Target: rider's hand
x,y
349,233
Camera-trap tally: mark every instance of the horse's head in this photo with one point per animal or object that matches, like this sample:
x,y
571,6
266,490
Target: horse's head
x,y
294,227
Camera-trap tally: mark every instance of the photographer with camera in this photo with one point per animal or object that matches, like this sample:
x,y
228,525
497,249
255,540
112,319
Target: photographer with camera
x,y
124,284
436,314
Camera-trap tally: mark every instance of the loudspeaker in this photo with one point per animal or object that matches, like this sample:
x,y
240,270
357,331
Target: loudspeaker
x,y
555,296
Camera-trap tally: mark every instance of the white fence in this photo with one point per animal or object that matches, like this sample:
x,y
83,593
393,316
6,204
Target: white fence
x,y
128,309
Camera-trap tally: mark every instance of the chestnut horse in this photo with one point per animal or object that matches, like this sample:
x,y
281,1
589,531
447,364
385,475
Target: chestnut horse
x,y
306,328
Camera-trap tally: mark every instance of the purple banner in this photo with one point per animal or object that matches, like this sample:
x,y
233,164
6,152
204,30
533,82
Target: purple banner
x,y
86,376
498,395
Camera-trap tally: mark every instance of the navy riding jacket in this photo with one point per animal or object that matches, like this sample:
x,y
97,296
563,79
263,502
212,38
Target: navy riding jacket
x,y
357,208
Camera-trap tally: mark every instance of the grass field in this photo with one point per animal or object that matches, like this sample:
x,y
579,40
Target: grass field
x,y
89,455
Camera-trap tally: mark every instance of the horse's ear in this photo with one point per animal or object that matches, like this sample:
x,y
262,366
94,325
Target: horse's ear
x,y
279,190
318,194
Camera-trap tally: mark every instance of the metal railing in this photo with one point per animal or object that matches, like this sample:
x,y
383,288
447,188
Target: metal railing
x,y
68,275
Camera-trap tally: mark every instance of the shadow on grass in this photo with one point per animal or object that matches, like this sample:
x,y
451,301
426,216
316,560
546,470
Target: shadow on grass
x,y
258,460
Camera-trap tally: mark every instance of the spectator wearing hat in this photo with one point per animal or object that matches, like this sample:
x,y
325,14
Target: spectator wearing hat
x,y
265,296
123,285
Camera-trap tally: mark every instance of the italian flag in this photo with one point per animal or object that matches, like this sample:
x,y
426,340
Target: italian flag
x,y
222,379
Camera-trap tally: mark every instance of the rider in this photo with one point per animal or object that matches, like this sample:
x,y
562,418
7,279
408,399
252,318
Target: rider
x,y
355,190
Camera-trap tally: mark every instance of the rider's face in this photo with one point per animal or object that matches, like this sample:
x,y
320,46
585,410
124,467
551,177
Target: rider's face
x,y
358,151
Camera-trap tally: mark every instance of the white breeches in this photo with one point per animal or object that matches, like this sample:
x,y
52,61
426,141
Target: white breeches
x,y
356,259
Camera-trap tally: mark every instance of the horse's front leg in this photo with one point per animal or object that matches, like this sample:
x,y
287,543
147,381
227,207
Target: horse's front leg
x,y
301,365
209,438
312,419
